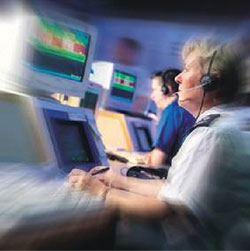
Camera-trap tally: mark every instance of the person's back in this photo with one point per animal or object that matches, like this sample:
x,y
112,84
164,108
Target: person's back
x,y
172,130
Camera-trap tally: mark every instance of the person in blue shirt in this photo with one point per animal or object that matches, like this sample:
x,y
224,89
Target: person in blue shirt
x,y
174,122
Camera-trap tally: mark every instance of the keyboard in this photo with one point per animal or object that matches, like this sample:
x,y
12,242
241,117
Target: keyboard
x,y
127,157
27,199
116,157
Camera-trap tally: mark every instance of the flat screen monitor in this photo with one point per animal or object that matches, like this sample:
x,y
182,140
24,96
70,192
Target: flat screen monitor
x,y
143,137
56,55
73,141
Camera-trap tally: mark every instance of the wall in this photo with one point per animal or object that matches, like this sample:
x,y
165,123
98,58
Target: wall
x,y
161,41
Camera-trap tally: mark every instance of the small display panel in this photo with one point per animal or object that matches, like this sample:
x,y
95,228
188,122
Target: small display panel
x,y
123,87
57,50
72,141
89,101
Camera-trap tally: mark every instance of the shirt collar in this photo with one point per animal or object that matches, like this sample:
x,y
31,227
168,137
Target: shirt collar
x,y
219,109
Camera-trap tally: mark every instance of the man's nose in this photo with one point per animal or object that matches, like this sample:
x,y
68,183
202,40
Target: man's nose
x,y
178,79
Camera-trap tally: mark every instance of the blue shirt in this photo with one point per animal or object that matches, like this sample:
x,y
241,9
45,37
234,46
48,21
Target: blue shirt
x,y
173,128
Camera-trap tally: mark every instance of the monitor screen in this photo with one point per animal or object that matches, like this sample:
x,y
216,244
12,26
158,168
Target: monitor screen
x,y
89,101
72,142
114,131
123,87
57,50
56,54
144,138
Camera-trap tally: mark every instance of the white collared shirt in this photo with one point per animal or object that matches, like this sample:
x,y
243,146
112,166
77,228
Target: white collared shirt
x,y
210,174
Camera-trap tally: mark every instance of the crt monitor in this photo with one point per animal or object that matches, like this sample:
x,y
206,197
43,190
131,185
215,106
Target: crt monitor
x,y
123,87
122,90
120,83
21,141
73,141
56,56
143,137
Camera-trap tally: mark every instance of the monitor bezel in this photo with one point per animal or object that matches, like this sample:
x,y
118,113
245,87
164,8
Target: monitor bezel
x,y
147,133
114,104
35,81
50,116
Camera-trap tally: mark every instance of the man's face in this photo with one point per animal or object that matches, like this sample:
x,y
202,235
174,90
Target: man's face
x,y
187,79
156,93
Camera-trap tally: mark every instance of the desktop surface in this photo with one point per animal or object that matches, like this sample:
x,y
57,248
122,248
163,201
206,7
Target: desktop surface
x,y
46,214
126,157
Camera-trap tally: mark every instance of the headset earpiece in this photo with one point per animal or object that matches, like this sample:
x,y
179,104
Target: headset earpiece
x,y
208,82
164,90
164,87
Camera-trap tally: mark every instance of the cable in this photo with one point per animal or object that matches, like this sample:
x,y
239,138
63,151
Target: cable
x,y
202,102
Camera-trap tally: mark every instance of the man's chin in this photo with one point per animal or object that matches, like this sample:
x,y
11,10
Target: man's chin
x,y
182,102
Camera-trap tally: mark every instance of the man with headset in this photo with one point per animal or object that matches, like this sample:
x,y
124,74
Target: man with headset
x,y
174,121
205,197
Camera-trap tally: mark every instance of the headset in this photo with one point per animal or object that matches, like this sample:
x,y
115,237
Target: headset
x,y
208,82
164,87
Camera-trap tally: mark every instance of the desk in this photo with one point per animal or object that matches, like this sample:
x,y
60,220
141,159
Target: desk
x,y
86,232
38,213
133,158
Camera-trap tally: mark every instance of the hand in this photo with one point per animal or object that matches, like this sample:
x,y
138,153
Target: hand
x,y
81,180
111,178
147,159
103,177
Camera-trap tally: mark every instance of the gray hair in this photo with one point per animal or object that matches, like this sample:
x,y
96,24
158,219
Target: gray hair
x,y
205,48
226,64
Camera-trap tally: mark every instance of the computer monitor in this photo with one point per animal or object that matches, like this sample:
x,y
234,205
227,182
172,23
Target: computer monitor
x,y
141,131
114,131
121,83
143,137
123,88
56,56
74,139
123,132
22,140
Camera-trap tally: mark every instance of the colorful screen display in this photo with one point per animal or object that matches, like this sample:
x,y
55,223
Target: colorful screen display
x,y
57,50
123,87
